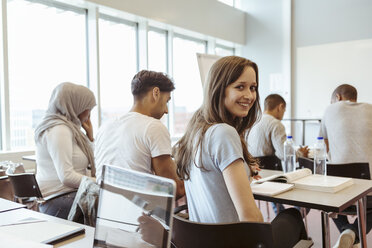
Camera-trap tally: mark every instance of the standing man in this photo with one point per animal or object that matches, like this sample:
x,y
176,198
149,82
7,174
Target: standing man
x,y
138,140
347,131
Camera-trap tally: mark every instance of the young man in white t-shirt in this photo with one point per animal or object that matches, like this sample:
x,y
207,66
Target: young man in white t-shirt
x,y
138,140
347,131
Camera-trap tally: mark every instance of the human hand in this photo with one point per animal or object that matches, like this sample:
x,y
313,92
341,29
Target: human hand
x,y
256,169
304,150
88,127
151,230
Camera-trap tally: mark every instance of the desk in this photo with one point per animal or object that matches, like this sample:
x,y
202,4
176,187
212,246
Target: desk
x,y
327,203
85,240
6,205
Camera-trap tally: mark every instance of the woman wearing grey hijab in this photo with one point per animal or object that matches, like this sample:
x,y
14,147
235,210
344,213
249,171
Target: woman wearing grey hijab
x,y
63,151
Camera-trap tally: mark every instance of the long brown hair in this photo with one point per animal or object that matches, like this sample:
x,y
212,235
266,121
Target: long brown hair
x,y
223,72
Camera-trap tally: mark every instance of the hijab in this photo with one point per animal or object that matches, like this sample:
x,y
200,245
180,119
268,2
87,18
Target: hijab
x,y
67,102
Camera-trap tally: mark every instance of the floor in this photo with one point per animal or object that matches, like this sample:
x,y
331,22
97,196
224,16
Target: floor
x,y
314,226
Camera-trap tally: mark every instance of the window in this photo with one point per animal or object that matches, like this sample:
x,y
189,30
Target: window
x,y
118,65
157,50
157,56
224,51
47,46
188,95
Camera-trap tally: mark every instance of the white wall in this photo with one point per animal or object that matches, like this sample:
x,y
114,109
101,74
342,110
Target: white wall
x,y
332,45
321,68
269,45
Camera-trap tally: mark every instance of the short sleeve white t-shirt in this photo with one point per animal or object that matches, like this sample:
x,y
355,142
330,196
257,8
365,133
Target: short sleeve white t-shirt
x,y
348,128
130,142
267,137
207,196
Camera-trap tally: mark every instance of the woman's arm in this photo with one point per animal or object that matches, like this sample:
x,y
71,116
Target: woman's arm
x,y
60,148
239,188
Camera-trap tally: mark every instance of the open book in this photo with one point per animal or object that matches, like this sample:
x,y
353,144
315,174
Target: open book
x,y
304,179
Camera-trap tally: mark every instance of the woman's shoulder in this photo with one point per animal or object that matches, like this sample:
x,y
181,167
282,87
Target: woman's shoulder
x,y
60,130
222,129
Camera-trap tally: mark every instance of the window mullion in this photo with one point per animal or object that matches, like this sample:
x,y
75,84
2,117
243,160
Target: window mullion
x,y
4,80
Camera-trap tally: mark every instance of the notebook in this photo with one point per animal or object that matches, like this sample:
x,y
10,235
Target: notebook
x,y
304,179
135,209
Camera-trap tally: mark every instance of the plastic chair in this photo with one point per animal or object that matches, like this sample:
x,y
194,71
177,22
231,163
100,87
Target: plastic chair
x,y
306,163
27,191
270,163
189,234
353,170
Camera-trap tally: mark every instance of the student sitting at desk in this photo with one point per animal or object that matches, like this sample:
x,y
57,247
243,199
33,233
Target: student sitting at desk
x,y
347,131
267,136
63,152
212,156
138,140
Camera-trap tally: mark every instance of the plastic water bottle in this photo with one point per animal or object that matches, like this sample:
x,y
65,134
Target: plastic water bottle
x,y
320,157
289,155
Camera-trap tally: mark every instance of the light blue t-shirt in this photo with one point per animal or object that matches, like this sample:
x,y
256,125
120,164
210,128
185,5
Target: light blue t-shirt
x,y
208,199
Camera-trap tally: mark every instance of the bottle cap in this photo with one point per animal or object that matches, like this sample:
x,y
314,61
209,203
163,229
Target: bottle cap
x,y
289,137
320,138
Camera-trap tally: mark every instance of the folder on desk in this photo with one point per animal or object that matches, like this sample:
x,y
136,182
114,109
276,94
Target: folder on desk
x,y
46,232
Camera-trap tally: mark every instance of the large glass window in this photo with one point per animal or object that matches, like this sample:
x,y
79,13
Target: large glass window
x,y
157,50
47,46
224,51
188,95
157,55
118,65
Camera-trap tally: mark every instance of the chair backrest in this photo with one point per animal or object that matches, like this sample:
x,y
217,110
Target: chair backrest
x,y
25,185
191,234
270,163
145,204
353,170
306,163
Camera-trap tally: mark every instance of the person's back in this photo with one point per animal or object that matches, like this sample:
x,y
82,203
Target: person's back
x,y
127,142
348,127
347,131
266,137
138,140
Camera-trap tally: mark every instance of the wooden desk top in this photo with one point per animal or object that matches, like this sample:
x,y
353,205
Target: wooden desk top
x,y
329,202
85,240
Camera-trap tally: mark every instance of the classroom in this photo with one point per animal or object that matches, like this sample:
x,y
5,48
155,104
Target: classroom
x,y
79,69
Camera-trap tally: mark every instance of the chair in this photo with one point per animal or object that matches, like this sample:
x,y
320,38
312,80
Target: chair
x,y
27,191
306,163
191,234
270,163
353,170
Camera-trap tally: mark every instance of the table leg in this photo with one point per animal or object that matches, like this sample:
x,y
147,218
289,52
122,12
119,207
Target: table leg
x,y
361,210
326,240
